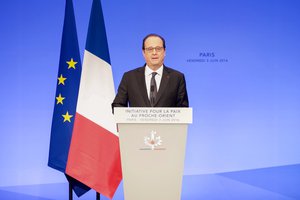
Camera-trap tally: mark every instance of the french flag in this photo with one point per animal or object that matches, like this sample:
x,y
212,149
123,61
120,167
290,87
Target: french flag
x,y
94,155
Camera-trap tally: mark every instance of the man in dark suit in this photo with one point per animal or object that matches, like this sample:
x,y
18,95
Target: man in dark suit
x,y
154,84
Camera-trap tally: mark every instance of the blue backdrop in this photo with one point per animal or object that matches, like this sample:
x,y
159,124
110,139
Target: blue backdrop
x,y
241,61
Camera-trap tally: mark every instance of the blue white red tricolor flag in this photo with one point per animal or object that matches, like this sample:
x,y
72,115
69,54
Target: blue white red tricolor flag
x,y
94,155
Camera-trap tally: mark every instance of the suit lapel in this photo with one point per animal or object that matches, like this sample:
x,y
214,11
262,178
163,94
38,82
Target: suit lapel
x,y
142,86
163,84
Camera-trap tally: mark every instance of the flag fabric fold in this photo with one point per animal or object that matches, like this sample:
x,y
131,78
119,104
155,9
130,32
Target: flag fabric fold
x,y
69,74
94,155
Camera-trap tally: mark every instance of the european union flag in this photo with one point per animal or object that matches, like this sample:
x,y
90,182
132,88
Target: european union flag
x,y
68,80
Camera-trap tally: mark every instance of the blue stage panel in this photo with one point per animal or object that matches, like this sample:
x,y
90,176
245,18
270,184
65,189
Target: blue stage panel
x,y
283,180
197,187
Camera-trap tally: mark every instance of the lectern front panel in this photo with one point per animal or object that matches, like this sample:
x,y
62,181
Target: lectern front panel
x,y
152,158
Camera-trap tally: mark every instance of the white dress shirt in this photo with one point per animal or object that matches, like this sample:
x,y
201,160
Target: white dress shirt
x,y
148,76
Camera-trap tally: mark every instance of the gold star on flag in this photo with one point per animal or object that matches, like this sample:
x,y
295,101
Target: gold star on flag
x,y
60,99
71,64
67,117
61,80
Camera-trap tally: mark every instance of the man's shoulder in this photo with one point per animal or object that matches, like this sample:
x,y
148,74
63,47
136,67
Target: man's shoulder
x,y
173,71
134,71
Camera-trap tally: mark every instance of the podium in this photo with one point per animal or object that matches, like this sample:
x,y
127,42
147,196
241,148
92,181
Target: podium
x,y
152,145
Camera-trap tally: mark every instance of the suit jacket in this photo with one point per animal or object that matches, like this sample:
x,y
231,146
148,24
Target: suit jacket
x,y
132,90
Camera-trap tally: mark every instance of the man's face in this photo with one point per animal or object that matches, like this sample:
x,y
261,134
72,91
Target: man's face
x,y
154,53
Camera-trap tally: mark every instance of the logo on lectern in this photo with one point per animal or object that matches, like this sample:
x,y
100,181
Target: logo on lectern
x,y
153,141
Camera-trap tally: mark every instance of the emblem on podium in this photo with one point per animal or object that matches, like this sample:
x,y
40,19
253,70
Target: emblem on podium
x,y
153,140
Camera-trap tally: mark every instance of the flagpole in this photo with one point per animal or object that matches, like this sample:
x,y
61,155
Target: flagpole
x,y
97,196
70,192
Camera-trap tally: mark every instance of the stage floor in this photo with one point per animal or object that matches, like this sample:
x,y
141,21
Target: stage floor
x,y
278,183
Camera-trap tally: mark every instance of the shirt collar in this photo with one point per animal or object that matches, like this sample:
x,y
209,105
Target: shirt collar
x,y
149,71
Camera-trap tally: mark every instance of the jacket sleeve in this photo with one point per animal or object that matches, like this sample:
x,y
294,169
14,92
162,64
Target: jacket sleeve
x,y
182,96
121,99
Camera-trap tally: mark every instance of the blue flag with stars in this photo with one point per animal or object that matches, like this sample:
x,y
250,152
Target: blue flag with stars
x,y
67,88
